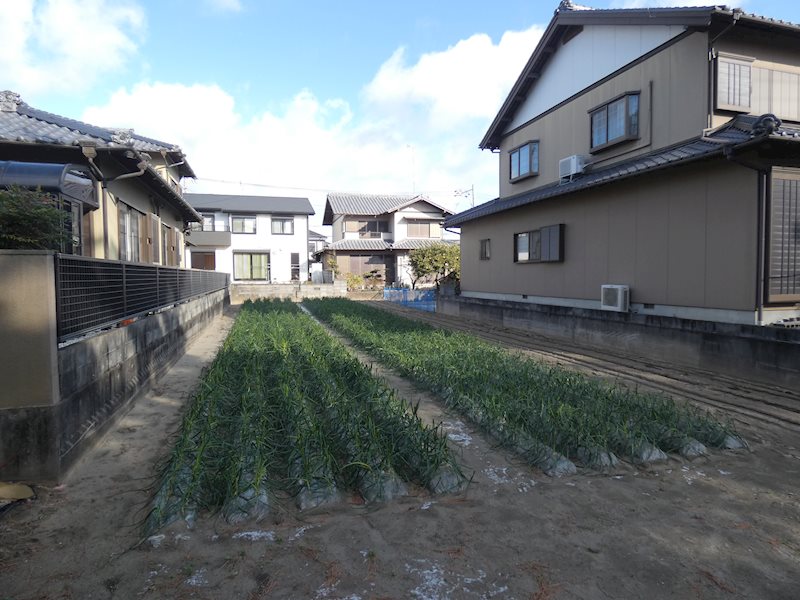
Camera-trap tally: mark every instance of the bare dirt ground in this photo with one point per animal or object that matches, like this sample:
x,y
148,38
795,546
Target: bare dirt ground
x,y
723,526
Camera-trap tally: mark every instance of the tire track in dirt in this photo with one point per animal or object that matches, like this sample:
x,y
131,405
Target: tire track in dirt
x,y
753,403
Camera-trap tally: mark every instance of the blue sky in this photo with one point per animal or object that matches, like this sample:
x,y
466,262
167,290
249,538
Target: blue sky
x,y
288,98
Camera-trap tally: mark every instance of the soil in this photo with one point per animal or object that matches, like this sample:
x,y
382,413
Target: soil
x,y
722,526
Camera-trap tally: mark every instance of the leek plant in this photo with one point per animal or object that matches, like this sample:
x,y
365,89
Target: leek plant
x,y
527,405
285,411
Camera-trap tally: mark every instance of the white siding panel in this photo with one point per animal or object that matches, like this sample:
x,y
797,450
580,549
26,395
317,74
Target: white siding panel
x,y
596,52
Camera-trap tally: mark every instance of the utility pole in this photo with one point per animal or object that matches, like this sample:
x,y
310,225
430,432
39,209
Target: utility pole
x,y
467,192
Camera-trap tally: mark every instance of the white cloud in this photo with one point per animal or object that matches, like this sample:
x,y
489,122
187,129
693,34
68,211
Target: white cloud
x,y
65,45
225,5
468,80
417,128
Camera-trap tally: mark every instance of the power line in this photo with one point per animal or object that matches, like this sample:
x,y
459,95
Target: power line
x,y
308,189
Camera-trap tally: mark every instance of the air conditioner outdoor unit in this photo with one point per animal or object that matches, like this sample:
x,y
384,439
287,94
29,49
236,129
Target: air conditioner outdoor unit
x,y
572,165
615,297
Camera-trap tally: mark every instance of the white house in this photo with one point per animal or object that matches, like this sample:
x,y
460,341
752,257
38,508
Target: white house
x,y
252,238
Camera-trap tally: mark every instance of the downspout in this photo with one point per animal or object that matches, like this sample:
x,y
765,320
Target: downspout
x,y
761,220
736,14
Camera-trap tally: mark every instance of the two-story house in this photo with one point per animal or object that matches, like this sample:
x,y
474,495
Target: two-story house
x,y
252,238
135,212
656,150
374,233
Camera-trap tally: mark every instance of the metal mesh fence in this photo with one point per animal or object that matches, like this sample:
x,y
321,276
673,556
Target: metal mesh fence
x,y
93,293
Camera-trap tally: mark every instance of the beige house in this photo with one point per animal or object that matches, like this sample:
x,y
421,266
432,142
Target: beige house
x,y
136,212
649,162
374,233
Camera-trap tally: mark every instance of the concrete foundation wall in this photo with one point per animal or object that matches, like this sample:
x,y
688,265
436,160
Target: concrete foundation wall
x,y
288,291
767,354
97,380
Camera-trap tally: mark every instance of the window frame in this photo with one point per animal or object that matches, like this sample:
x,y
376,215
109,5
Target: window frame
x,y
548,245
485,252
364,227
244,219
532,147
251,254
735,60
783,235
632,121
129,237
282,221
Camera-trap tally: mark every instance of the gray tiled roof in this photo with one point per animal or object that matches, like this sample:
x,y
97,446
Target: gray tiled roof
x,y
371,245
313,235
371,205
416,243
250,204
20,122
738,132
367,204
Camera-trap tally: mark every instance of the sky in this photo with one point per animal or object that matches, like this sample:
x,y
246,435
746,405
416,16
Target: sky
x,y
287,98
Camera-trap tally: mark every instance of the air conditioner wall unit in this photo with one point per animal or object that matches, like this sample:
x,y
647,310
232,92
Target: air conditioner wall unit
x,y
615,297
572,165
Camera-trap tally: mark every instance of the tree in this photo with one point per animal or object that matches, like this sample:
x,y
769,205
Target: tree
x,y
31,220
440,260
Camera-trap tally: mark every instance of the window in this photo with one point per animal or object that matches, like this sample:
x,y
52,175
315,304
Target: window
x,y
524,161
615,122
283,226
423,229
128,232
733,83
784,234
486,249
242,224
372,228
539,245
251,265
295,265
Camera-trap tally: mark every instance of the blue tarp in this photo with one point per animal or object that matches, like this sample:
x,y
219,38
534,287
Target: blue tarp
x,y
419,299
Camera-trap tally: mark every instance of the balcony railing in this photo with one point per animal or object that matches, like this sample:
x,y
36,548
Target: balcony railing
x,y
93,293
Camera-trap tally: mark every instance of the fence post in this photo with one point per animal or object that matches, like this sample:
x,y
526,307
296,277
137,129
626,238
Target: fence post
x,y
125,289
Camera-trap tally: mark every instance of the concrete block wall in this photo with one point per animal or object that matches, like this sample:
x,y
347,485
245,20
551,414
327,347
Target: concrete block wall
x,y
287,291
55,401
767,354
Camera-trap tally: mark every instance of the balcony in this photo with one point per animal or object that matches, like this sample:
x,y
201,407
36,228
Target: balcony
x,y
216,239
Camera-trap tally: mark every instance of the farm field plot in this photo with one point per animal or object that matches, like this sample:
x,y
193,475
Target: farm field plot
x,y
285,412
546,413
725,525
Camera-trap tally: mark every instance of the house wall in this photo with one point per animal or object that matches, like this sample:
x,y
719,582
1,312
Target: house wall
x,y
419,211
684,237
104,222
673,107
337,228
280,247
594,53
771,51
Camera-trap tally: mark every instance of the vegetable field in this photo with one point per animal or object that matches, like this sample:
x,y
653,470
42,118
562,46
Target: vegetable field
x,y
552,416
285,412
